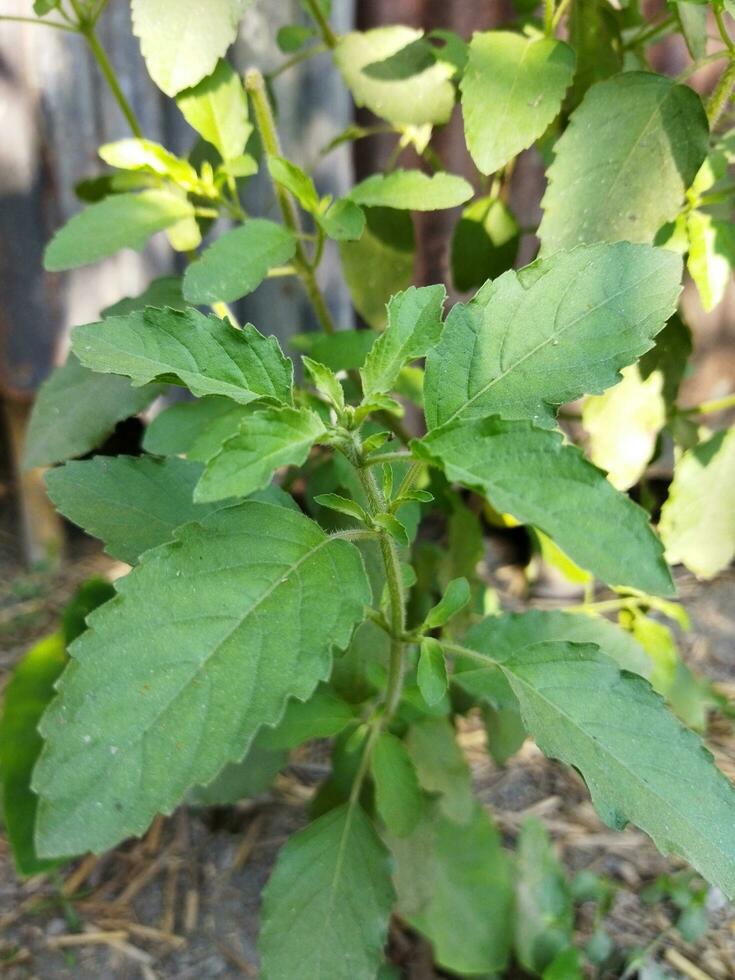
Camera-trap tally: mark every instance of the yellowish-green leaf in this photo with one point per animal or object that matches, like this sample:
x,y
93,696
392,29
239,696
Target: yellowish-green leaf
x,y
711,256
411,190
623,425
512,90
698,519
117,222
218,110
425,97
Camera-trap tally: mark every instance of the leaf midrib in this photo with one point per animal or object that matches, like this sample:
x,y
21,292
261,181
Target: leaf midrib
x,y
544,343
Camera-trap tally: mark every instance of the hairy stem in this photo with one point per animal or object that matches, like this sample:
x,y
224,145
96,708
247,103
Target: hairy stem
x,y
328,36
42,23
111,78
721,95
255,85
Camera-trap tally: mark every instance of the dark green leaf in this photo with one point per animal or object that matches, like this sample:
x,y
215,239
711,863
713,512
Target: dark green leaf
x,y
174,676
29,690
639,763
432,671
594,34
441,767
453,884
484,244
456,596
530,473
398,797
544,911
322,716
670,356
560,328
414,327
266,441
76,409
165,291
341,351
132,503
195,429
380,264
328,901
240,780
204,353
238,262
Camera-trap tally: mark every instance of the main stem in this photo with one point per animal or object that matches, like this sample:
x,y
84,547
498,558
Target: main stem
x,y
108,71
719,98
325,29
255,85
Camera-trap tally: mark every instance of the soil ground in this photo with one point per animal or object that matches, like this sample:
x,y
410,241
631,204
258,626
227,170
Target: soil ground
x,y
183,902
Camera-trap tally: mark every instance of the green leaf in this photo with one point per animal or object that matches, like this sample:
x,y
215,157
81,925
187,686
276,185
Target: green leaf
x,y
424,97
560,328
670,356
512,90
175,675
506,634
165,291
456,596
600,189
623,426
182,41
132,503
75,410
240,780
328,901
117,222
380,263
238,262
195,429
292,37
394,527
504,731
266,441
326,382
407,62
530,473
342,505
711,256
151,157
205,354
344,221
414,327
453,884
296,182
432,671
640,765
398,797
411,190
341,351
698,519
218,110
29,690
594,34
544,911
322,716
441,767
692,19
484,244
566,966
